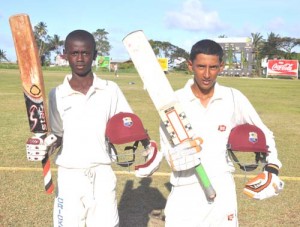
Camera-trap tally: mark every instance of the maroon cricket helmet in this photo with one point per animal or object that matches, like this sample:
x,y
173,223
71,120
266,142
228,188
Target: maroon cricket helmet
x,y
247,138
124,128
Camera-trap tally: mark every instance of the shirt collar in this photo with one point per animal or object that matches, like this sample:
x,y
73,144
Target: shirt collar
x,y
98,84
190,95
188,90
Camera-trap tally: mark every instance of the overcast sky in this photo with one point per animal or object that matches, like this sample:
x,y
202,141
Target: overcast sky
x,y
180,22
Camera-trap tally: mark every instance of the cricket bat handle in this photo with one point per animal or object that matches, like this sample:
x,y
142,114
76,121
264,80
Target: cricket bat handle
x,y
208,189
48,183
49,186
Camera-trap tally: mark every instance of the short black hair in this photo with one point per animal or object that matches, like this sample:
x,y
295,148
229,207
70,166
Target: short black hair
x,y
206,46
80,35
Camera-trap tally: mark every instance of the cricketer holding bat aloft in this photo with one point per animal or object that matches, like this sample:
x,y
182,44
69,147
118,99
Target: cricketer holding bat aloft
x,y
213,110
79,110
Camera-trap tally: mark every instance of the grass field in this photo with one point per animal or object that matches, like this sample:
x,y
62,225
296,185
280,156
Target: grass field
x,y
24,203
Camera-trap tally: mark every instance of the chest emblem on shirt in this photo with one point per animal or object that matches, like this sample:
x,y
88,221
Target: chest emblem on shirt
x,y
222,128
127,122
230,217
253,137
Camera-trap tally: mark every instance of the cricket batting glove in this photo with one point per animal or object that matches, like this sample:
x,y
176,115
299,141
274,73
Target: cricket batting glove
x,y
37,147
153,159
185,155
265,184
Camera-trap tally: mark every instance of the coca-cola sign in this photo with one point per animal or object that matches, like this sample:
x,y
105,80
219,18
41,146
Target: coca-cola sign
x,y
283,68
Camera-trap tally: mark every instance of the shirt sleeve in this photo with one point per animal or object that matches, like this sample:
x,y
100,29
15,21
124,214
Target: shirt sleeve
x,y
119,101
245,113
56,124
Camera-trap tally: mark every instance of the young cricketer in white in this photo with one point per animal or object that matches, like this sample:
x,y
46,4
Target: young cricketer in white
x,y
213,110
79,110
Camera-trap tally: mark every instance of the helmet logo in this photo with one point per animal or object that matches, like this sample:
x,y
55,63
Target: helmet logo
x,y
253,137
222,128
127,122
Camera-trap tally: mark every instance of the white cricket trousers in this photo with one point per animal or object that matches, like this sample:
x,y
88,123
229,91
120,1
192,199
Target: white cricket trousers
x,y
86,198
187,205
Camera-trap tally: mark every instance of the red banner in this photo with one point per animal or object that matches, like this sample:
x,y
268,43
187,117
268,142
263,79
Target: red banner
x,y
283,68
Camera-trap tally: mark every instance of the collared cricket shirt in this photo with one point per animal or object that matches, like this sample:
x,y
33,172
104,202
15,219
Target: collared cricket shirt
x,y
226,109
81,121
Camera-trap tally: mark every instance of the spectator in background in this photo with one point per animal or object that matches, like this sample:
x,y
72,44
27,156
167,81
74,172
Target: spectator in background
x,y
116,70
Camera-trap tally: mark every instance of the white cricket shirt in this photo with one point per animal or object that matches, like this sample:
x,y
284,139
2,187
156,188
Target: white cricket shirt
x,y
226,109
81,121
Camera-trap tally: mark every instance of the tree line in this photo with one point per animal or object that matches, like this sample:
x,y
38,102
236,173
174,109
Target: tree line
x,y
274,46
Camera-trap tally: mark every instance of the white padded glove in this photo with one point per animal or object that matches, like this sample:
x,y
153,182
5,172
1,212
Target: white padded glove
x,y
185,155
263,186
152,163
37,148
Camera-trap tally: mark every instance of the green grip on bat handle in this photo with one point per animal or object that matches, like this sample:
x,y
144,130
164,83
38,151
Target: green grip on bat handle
x,y
208,189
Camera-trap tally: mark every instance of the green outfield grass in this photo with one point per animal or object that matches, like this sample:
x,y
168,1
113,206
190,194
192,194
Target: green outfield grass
x,y
24,203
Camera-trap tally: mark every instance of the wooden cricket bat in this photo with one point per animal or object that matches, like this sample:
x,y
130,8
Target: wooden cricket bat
x,y
164,98
32,83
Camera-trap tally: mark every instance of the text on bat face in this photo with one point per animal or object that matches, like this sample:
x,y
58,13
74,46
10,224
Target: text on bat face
x,y
37,117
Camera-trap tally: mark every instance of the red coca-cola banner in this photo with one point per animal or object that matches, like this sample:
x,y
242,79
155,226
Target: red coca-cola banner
x,y
283,68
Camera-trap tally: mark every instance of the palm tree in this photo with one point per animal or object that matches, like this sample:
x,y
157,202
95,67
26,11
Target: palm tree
x,y
40,33
3,55
55,44
258,41
272,46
